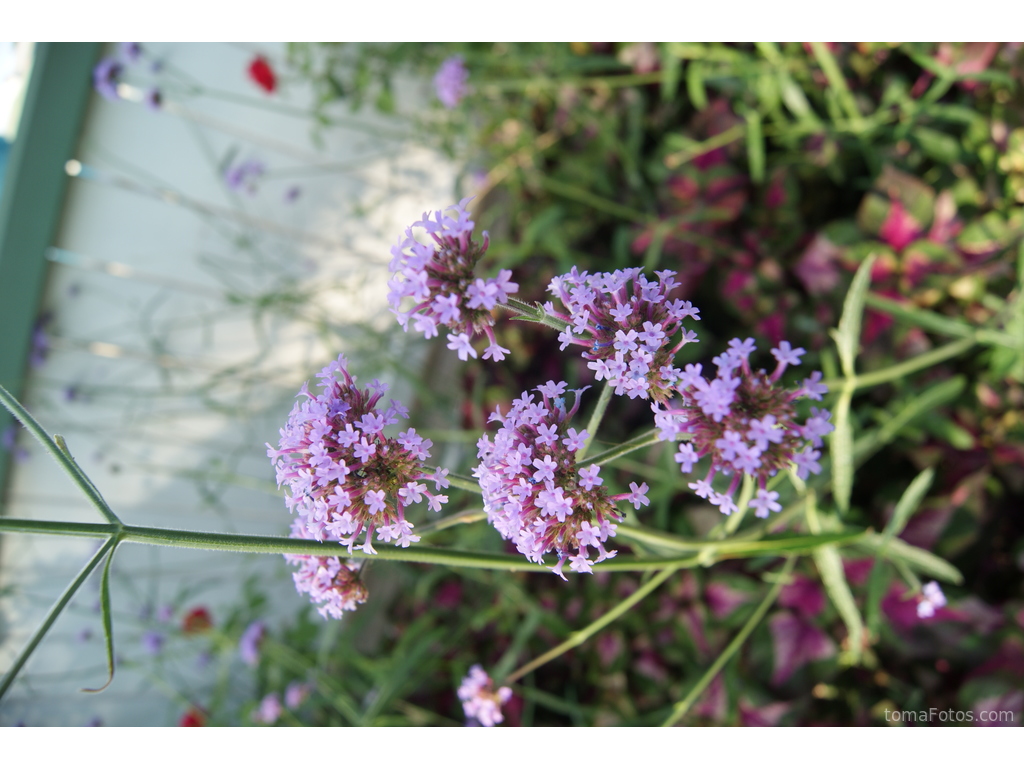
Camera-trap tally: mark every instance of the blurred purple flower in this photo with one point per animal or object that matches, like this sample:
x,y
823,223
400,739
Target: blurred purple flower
x,y
153,642
722,599
818,268
292,193
244,176
153,100
899,229
766,716
165,613
250,642
104,78
131,52
450,81
296,693
269,709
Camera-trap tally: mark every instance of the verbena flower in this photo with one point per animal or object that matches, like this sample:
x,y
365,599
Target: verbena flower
x,y
932,599
480,701
746,423
131,52
627,326
244,176
533,492
250,641
331,583
105,76
450,82
346,479
269,710
439,278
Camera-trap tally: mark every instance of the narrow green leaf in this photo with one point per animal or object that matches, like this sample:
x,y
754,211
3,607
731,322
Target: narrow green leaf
x,y
671,69
922,318
847,336
108,626
55,611
695,85
838,85
830,567
905,507
917,559
926,402
755,146
841,446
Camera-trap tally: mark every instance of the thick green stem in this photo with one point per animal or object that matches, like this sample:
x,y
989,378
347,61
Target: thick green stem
x,y
581,636
681,708
635,444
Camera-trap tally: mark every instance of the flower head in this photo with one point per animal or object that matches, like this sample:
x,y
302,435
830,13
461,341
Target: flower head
x,y
438,277
450,81
346,479
480,701
269,709
627,326
534,494
745,423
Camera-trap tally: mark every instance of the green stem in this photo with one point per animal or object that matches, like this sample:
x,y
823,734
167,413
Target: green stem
x,y
280,545
926,360
640,441
596,202
595,420
681,708
63,458
51,617
533,314
581,636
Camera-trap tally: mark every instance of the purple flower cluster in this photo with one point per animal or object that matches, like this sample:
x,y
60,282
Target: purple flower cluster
x,y
439,278
479,700
344,475
250,642
330,582
745,423
450,82
628,331
107,74
533,493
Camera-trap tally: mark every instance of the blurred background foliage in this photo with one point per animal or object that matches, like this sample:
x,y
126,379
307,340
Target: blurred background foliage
x,y
764,174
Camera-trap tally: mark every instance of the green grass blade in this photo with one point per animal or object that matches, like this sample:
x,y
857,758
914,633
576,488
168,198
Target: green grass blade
x,y
755,147
830,568
905,507
841,445
917,559
848,335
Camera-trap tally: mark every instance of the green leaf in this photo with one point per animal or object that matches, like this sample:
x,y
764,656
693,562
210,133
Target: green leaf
x,y
671,70
847,336
841,446
917,559
937,145
755,146
108,628
830,567
905,507
55,611
695,85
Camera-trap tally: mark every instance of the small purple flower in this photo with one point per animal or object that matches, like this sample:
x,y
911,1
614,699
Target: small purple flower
x,y
250,641
745,423
296,693
105,76
132,52
153,642
931,600
480,702
439,279
165,613
269,709
450,82
292,193
244,176
153,100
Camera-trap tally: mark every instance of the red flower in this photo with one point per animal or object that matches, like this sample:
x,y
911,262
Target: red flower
x,y
196,620
262,74
192,719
